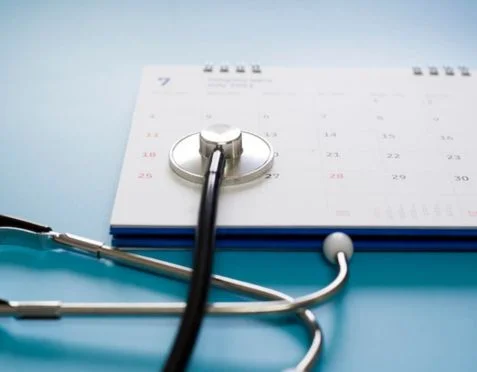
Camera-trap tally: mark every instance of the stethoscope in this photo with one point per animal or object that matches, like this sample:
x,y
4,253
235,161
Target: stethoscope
x,y
244,157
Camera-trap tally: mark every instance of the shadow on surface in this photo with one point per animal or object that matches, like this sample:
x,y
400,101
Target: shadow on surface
x,y
387,269
42,348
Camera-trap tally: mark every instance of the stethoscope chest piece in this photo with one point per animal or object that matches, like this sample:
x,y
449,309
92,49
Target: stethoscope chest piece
x,y
248,156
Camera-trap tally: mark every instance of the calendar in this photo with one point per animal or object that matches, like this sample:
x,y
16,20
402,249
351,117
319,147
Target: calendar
x,y
386,155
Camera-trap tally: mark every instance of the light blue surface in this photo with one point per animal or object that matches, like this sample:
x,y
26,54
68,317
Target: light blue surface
x,y
69,74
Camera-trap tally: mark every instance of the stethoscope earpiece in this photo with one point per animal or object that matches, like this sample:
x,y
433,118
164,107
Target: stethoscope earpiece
x,y
335,243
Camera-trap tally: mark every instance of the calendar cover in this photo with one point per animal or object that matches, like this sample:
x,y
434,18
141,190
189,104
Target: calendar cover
x,y
387,155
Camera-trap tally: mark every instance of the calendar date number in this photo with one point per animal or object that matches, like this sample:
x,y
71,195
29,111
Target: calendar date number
x,y
447,138
144,175
453,157
149,154
393,155
398,177
271,134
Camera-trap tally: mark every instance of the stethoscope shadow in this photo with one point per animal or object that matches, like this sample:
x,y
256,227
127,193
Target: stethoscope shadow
x,y
414,272
26,346
84,356
379,272
59,268
382,271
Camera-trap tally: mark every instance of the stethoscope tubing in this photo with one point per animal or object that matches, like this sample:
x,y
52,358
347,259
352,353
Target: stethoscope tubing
x,y
226,308
277,302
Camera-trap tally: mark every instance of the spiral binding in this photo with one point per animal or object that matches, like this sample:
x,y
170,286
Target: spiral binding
x,y
240,69
447,70
416,70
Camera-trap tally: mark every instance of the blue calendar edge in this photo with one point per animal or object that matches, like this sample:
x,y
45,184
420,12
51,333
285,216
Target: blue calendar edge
x,y
306,239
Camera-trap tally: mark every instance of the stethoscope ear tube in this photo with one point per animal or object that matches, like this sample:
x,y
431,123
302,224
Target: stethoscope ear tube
x,y
8,221
273,301
195,310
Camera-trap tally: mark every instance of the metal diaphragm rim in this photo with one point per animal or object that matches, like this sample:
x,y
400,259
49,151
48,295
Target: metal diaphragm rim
x,y
256,160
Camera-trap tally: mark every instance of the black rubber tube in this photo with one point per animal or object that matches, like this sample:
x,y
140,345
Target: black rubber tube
x,y
194,313
8,221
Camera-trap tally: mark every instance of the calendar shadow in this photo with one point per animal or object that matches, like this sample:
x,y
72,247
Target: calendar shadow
x,y
308,271
414,270
271,269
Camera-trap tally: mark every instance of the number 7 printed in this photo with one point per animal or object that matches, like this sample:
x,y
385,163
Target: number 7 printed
x,y
163,80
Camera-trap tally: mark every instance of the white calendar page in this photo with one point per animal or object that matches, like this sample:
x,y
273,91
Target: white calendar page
x,y
354,148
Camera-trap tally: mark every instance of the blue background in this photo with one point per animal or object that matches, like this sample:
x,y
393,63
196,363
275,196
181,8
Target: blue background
x,y
69,74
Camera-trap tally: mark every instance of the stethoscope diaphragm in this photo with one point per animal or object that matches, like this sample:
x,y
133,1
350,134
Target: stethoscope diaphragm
x,y
248,155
